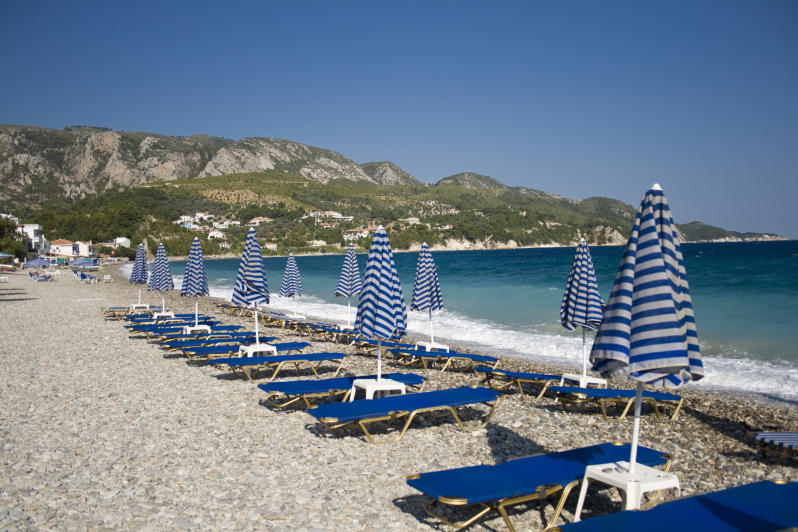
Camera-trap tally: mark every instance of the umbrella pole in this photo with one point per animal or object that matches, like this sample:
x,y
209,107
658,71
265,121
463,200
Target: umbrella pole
x,y
163,303
139,294
636,427
584,360
431,336
348,309
196,311
379,359
257,338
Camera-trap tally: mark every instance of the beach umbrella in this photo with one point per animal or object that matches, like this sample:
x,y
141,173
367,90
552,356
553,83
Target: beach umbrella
x,y
195,281
349,281
381,311
648,332
251,288
139,273
427,289
292,282
38,261
581,303
160,276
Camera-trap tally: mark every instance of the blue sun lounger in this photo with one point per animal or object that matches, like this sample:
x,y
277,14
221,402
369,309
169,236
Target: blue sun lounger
x,y
410,356
238,339
517,481
574,395
366,411
787,441
758,506
250,366
158,336
217,351
308,389
519,378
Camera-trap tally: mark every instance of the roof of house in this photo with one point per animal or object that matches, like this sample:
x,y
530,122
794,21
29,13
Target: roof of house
x,y
61,242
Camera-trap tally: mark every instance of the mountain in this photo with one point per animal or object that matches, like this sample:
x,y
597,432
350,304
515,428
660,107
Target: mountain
x,y
39,164
701,232
471,180
387,173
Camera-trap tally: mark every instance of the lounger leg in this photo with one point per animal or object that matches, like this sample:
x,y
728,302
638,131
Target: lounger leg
x,y
545,387
678,407
456,526
629,404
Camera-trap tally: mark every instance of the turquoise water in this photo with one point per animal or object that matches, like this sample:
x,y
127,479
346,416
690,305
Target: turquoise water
x,y
507,302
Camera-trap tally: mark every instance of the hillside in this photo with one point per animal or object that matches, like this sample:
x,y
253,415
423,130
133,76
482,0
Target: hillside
x,y
701,232
40,164
471,180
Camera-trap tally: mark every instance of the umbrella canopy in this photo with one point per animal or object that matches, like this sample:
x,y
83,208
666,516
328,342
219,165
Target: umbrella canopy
x,y
649,332
161,276
6,255
195,281
139,273
292,282
349,281
37,262
381,312
251,287
581,303
427,289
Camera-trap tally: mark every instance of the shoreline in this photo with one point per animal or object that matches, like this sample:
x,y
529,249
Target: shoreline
x,y
101,430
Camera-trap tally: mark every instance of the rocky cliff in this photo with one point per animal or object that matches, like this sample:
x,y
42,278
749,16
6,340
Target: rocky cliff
x,y
40,164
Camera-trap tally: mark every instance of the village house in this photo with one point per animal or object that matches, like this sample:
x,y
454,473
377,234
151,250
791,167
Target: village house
x,y
215,234
255,222
86,249
354,236
317,243
63,248
221,225
270,246
224,245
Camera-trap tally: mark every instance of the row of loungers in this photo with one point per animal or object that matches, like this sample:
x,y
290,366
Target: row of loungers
x,y
485,488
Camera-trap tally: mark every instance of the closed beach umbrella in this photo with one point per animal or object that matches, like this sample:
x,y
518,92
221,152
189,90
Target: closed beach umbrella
x,y
381,312
349,281
251,287
648,332
139,273
427,289
292,282
581,303
160,276
195,281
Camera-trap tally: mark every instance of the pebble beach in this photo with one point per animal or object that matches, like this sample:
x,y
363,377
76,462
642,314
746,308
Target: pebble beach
x,y
101,430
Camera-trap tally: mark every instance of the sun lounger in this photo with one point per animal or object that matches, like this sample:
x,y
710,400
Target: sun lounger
x,y
519,378
517,481
427,358
569,395
250,366
219,351
233,338
759,506
787,441
369,345
307,389
159,335
367,411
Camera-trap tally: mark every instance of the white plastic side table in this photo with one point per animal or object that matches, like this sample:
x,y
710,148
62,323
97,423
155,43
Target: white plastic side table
x,y
159,315
373,385
138,306
197,329
250,350
429,346
634,485
583,380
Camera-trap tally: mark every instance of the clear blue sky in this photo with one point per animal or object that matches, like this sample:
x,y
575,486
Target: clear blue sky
x,y
579,98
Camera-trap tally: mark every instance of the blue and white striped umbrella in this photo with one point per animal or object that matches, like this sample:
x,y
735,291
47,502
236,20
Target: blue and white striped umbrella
x,y
349,281
381,312
251,287
427,289
649,332
582,303
195,281
292,281
160,276
139,273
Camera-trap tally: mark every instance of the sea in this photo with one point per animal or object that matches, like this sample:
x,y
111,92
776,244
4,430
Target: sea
x,y
507,302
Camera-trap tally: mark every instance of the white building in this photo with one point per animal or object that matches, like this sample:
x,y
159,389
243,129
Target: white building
x,y
199,216
413,220
215,234
224,245
235,223
34,234
221,225
86,249
354,236
63,248
270,246
255,222
122,241
317,243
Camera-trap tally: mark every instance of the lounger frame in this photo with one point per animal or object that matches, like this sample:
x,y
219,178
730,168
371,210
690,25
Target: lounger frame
x,y
281,361
517,378
622,403
333,423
